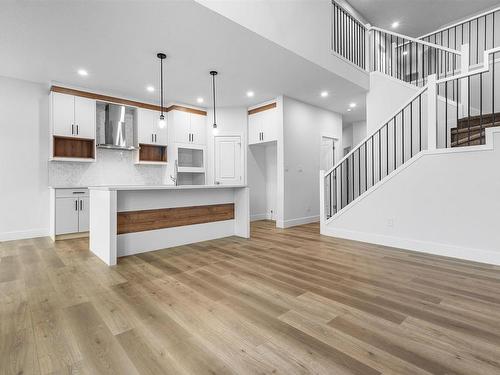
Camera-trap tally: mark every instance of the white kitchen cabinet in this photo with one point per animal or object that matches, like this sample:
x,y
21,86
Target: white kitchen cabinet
x,y
66,215
254,128
188,127
85,117
263,126
73,116
198,128
70,211
84,214
148,131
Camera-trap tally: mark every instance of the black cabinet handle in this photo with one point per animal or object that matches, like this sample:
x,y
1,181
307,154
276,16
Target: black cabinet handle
x,y
76,205
72,129
81,205
77,130
192,137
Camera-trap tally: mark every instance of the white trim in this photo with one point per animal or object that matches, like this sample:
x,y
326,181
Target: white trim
x,y
434,248
472,18
24,234
299,221
257,217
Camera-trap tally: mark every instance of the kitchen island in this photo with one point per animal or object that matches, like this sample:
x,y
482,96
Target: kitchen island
x,y
127,220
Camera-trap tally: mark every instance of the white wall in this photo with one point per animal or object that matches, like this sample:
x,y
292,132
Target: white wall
x,y
301,26
303,127
24,193
358,132
443,202
385,97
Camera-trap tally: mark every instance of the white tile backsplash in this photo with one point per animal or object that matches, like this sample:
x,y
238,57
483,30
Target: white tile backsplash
x,y
112,167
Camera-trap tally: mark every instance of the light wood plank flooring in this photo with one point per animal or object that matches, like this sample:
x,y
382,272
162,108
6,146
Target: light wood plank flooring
x,y
284,302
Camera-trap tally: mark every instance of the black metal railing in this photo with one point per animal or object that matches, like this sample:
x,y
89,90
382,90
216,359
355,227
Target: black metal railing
x,y
478,32
396,142
467,105
410,60
348,36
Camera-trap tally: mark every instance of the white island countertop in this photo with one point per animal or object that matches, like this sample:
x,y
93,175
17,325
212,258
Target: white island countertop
x,y
163,187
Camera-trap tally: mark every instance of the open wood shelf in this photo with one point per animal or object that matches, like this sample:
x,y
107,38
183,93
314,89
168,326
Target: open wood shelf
x,y
71,147
152,153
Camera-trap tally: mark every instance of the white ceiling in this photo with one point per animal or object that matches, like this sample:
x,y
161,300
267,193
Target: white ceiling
x,y
117,42
418,17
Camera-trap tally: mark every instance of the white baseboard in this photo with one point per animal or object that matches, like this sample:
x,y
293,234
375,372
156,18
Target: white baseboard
x,y
299,221
258,217
476,255
23,234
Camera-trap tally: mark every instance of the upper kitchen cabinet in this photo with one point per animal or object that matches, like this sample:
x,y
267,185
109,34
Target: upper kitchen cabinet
x,y
148,131
188,126
73,127
263,124
73,116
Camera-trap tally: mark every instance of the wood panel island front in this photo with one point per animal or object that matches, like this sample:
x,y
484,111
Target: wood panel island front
x,y
126,220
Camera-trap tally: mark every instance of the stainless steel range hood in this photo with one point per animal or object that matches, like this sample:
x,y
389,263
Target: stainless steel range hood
x,y
116,132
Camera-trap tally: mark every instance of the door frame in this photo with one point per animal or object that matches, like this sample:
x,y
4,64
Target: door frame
x,y
243,154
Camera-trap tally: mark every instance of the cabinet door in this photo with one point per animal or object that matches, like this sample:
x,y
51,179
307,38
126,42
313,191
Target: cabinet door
x,y
85,117
269,125
67,215
83,216
180,126
254,128
198,129
145,120
63,114
160,133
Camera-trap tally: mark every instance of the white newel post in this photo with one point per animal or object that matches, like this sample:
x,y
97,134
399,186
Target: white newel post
x,y
431,112
464,85
321,200
367,48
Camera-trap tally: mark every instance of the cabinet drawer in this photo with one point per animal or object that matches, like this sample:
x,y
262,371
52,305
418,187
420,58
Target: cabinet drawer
x,y
72,193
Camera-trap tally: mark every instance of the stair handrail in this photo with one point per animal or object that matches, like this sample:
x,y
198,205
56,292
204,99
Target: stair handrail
x,y
415,40
395,113
458,23
485,68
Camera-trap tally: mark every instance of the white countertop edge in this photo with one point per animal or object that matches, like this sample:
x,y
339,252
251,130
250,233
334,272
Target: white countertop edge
x,y
164,187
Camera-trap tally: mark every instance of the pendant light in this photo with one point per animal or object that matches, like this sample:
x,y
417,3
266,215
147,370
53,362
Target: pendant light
x,y
213,73
161,122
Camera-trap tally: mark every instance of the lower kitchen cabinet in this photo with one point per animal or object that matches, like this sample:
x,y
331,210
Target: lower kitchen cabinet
x,y
69,211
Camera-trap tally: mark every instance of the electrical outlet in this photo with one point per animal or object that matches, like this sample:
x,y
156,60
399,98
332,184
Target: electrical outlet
x,y
390,223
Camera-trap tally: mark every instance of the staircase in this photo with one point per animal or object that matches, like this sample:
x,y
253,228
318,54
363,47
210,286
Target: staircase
x,y
471,131
453,107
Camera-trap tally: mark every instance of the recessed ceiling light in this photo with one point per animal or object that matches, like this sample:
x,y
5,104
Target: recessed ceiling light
x,y
250,94
395,24
352,105
324,94
83,72
349,109
199,100
150,88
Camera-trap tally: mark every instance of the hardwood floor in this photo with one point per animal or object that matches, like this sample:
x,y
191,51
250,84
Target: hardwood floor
x,y
284,302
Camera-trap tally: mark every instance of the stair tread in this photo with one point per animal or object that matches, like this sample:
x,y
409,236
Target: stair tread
x,y
454,131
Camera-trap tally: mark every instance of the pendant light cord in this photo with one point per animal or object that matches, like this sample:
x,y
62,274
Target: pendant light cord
x,y
213,93
161,85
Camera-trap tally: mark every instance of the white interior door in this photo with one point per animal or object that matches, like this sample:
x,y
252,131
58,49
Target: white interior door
x,y
228,160
327,153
